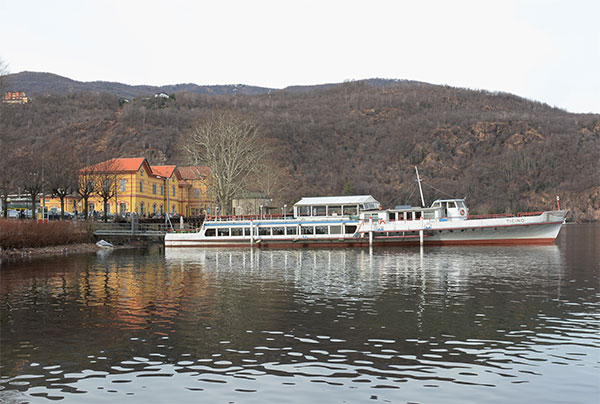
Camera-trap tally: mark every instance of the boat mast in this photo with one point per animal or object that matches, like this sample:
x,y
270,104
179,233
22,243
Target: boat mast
x,y
420,189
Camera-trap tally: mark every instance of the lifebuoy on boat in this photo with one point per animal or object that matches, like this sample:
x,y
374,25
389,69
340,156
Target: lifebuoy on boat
x,y
462,212
381,221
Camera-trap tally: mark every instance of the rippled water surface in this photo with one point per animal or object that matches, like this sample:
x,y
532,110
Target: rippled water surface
x,y
400,325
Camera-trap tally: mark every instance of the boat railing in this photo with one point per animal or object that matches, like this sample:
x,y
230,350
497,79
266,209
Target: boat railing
x,y
231,218
520,214
501,215
490,216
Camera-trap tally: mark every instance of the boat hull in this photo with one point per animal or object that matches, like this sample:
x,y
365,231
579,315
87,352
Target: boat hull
x,y
537,230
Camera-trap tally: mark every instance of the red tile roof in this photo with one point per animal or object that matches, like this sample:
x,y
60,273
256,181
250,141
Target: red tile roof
x,y
163,171
194,172
118,165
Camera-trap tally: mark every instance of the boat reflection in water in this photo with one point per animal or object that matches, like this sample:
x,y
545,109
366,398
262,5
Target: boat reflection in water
x,y
354,272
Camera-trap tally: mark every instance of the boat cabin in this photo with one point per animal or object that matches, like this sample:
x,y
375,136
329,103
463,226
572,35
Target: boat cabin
x,y
450,209
334,206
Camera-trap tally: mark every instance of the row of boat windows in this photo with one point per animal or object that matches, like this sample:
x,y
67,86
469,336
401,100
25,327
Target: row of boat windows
x,y
336,210
279,231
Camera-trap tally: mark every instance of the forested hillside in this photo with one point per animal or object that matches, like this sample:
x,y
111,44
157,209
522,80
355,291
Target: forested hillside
x,y
501,152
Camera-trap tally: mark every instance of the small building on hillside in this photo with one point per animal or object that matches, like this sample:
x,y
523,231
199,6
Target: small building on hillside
x,y
15,97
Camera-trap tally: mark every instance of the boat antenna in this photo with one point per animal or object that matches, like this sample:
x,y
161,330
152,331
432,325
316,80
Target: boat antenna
x,y
420,188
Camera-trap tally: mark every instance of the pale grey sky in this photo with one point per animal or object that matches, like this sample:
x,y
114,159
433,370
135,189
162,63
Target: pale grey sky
x,y
546,50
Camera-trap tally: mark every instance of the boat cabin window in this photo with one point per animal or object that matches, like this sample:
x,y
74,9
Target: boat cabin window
x,y
278,231
223,232
247,231
350,210
291,230
264,231
370,206
308,230
319,210
236,231
320,229
210,232
350,229
303,210
335,229
334,210
461,204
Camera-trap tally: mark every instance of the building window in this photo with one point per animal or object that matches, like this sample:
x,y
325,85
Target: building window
x,y
162,209
141,185
154,208
173,210
142,210
174,191
122,185
162,189
154,189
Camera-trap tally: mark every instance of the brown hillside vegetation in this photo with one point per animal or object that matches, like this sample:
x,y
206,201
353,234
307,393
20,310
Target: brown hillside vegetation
x,y
502,152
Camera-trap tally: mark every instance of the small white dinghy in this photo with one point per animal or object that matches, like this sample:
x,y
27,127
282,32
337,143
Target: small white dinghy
x,y
104,244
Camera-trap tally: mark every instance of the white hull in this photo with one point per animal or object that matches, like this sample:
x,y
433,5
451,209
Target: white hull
x,y
538,229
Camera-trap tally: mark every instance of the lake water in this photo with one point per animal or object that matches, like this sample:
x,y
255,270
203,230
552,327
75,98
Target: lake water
x,y
400,325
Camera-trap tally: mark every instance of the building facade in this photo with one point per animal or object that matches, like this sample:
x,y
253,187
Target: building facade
x,y
137,187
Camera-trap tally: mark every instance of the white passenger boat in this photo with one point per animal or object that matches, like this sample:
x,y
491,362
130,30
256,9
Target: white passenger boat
x,y
356,221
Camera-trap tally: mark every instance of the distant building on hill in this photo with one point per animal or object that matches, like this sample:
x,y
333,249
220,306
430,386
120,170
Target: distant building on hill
x,y
15,97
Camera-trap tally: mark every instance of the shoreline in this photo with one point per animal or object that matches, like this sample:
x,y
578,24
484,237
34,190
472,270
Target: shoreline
x,y
67,249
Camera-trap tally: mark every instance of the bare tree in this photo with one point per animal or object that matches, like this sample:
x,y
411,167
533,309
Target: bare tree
x,y
61,175
8,175
3,73
271,180
105,179
233,147
86,187
31,178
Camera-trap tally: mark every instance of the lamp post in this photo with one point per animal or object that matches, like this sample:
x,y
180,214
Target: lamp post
x,y
261,212
284,210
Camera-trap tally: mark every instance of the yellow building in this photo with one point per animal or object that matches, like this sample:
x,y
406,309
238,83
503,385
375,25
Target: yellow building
x,y
135,186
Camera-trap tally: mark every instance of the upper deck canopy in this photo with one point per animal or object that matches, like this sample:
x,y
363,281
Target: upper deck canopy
x,y
336,200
